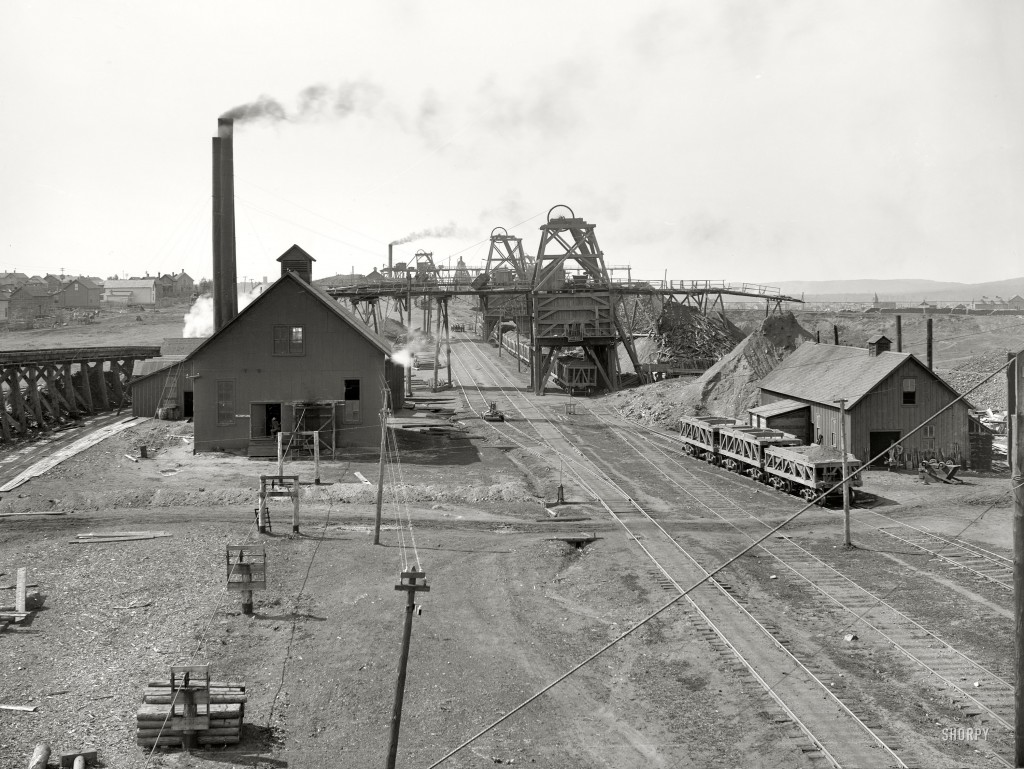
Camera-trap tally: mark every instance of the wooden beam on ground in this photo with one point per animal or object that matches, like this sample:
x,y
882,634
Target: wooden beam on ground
x,y
71,450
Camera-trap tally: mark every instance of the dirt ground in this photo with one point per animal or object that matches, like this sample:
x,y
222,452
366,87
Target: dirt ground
x,y
511,608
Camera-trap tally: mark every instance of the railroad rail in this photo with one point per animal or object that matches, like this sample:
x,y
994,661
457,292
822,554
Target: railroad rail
x,y
834,732
993,697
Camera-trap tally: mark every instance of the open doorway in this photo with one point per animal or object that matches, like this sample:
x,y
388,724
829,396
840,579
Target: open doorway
x,y
264,420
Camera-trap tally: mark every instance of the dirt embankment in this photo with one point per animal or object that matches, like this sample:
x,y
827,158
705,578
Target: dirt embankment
x,y
728,388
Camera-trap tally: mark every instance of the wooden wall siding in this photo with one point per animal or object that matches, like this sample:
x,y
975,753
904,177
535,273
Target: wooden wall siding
x,y
158,390
243,351
795,423
573,316
883,410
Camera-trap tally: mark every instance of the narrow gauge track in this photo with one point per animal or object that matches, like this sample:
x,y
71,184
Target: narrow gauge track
x,y
828,724
993,698
978,561
963,557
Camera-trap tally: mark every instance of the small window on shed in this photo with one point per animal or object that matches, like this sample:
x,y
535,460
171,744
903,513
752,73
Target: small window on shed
x,y
909,391
289,340
929,431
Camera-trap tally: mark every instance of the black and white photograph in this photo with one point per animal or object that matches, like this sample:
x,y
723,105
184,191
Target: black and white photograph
x,y
569,385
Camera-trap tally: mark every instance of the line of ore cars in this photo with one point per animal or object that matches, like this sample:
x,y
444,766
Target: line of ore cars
x,y
773,457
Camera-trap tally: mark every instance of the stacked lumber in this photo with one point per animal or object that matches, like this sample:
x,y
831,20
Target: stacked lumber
x,y
227,710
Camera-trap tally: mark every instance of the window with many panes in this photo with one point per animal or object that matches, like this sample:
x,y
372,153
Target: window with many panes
x,y
225,401
909,391
289,340
352,413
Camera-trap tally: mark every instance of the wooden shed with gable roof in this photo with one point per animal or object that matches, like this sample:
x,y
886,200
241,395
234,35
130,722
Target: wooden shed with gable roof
x,y
888,396
294,357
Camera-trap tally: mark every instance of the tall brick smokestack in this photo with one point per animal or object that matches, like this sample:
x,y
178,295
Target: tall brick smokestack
x,y
225,296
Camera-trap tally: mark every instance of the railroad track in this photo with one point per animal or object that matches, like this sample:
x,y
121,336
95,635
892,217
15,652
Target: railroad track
x,y
991,697
964,557
829,730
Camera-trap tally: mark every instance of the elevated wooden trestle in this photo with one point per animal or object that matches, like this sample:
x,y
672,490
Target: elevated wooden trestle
x,y
42,388
565,297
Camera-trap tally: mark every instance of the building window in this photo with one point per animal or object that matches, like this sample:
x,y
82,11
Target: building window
x,y
225,401
352,413
909,391
929,431
289,340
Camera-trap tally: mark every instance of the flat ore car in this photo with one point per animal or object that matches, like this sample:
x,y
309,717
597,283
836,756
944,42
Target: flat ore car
x,y
772,457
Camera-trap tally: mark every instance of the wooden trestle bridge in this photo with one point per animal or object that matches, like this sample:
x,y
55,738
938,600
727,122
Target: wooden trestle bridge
x,y
565,296
44,388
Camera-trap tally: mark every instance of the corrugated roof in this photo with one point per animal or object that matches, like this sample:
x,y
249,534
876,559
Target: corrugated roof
x,y
778,407
824,373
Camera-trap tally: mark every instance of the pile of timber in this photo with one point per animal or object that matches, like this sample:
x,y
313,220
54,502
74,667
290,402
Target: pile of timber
x,y
227,710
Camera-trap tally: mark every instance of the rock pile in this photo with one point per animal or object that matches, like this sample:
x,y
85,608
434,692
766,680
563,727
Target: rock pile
x,y
728,388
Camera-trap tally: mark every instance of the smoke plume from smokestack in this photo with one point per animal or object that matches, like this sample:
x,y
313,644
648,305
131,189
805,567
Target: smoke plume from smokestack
x,y
315,102
449,230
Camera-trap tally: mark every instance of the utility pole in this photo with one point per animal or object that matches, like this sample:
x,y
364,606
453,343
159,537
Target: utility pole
x,y
380,472
410,582
846,471
1015,377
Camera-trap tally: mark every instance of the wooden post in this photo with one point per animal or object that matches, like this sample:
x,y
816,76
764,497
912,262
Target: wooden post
x,y
380,475
409,583
245,573
40,756
899,333
316,457
21,591
846,482
929,343
448,342
295,505
1016,448
261,521
835,334
280,453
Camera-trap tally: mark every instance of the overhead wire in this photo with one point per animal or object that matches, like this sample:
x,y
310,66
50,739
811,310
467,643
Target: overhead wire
x,y
684,593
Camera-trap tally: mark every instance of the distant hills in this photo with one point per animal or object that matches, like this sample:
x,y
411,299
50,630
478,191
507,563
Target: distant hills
x,y
899,289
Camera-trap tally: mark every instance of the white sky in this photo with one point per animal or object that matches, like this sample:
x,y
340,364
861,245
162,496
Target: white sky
x,y
746,140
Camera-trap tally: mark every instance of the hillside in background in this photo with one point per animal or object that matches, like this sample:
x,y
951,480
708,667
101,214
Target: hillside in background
x,y
901,289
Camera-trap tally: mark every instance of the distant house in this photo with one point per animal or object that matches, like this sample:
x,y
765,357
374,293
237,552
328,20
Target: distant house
x,y
32,301
15,279
164,286
55,282
141,291
184,286
81,293
5,300
888,395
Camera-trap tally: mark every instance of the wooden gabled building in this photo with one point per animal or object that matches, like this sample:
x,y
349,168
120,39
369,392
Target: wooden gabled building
x,y
888,395
294,357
